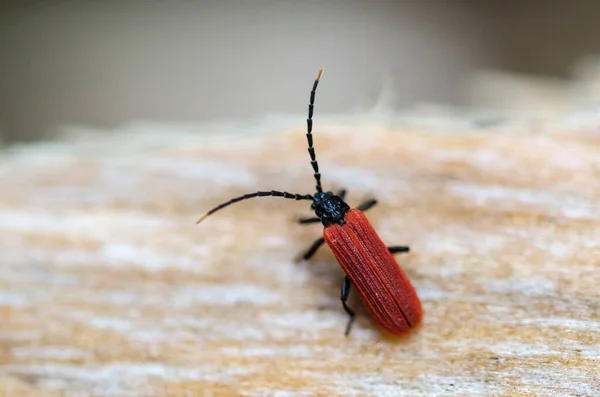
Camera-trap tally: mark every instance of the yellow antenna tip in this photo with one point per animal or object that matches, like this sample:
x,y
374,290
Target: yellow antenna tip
x,y
201,219
320,73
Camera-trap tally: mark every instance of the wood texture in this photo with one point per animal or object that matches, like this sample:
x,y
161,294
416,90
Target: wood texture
x,y
108,288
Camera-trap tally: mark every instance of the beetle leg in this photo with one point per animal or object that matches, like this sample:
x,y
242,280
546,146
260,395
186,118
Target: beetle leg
x,y
313,248
311,219
342,193
366,205
398,248
345,291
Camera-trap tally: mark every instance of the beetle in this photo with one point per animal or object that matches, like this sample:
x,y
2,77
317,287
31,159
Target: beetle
x,y
368,264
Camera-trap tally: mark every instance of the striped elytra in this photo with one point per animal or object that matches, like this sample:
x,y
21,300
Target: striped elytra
x,y
381,283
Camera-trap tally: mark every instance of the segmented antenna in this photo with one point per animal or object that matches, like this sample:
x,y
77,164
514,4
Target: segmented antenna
x,y
257,194
309,138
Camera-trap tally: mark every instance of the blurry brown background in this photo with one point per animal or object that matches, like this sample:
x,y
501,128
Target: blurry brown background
x,y
109,288
104,63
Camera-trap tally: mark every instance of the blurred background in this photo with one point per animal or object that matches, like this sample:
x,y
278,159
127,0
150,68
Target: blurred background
x,y
104,63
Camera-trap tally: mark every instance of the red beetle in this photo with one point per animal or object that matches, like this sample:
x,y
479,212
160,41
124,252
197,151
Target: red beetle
x,y
367,262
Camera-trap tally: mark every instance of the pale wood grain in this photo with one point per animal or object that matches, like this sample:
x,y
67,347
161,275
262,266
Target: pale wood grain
x,y
109,288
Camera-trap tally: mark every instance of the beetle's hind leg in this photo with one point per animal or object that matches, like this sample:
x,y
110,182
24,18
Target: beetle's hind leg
x,y
344,295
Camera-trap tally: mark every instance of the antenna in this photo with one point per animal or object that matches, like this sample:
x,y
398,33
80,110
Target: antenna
x,y
257,194
309,138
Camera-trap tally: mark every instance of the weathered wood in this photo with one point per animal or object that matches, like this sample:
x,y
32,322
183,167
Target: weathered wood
x,y
109,288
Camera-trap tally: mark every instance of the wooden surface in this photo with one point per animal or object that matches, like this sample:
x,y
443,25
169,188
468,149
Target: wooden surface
x,y
108,288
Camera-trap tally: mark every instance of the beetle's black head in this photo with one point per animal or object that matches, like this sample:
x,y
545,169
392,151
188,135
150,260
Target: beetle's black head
x,y
329,208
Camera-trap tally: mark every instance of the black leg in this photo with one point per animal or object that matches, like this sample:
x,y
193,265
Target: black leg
x,y
398,248
312,219
366,205
313,248
342,193
345,291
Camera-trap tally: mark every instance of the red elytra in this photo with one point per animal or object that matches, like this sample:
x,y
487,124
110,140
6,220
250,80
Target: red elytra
x,y
369,265
381,283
